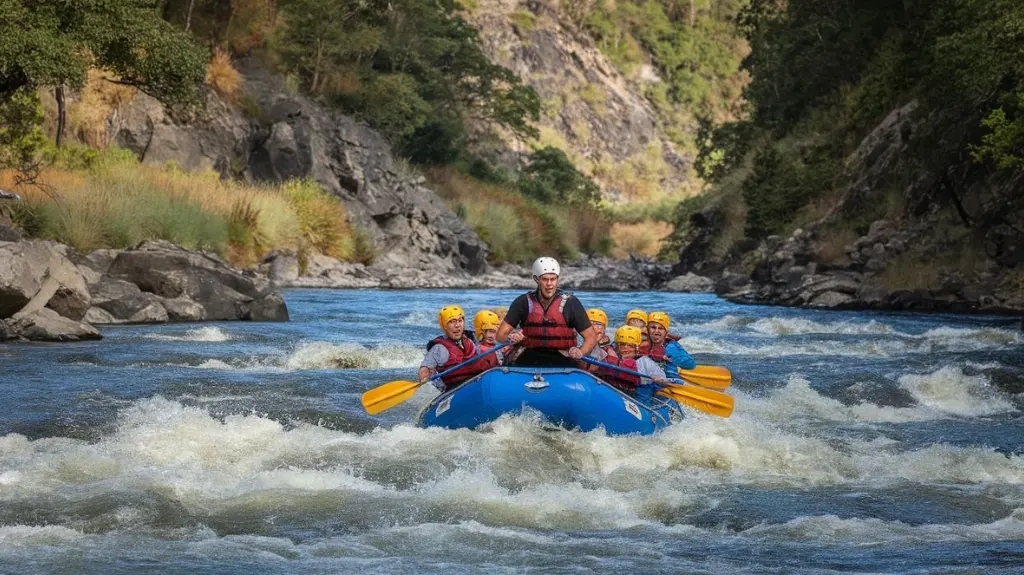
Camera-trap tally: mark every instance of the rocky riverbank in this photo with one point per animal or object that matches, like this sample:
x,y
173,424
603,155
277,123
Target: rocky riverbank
x,y
599,274
48,292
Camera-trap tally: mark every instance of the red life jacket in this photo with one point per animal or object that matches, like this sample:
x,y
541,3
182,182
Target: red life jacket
x,y
456,355
623,381
485,363
653,351
546,328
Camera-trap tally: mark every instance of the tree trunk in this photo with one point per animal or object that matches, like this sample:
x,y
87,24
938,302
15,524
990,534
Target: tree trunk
x,y
693,13
188,17
58,94
316,65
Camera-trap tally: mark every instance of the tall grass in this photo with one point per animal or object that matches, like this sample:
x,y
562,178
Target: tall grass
x,y
111,201
516,228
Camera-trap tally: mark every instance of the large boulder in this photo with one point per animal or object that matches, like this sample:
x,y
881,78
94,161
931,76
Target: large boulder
x,y
46,325
170,271
690,283
125,303
30,267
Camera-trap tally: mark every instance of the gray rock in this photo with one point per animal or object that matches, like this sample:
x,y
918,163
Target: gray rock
x,y
9,233
170,271
99,316
183,309
831,299
690,283
124,302
46,325
30,267
217,140
269,308
282,268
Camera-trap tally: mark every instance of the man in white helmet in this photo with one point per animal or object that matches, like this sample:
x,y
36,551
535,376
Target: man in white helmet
x,y
550,320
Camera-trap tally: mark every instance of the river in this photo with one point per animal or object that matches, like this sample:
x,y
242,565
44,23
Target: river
x,y
861,442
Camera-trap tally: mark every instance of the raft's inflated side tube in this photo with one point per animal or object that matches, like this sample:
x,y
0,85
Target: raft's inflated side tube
x,y
570,398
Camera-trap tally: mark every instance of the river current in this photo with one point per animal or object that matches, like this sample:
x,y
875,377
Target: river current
x,y
860,443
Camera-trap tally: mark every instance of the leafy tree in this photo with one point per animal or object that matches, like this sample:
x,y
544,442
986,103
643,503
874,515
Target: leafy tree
x,y
551,177
52,43
415,69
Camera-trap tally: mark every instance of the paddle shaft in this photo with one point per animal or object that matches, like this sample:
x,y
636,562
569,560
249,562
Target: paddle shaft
x,y
464,363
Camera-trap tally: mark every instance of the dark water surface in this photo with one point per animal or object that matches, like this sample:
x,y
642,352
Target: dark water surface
x,y
861,443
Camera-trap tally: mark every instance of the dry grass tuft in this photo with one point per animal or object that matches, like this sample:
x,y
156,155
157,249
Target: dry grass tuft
x,y
222,75
641,238
100,96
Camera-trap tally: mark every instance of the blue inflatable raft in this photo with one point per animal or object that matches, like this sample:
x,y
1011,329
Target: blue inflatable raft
x,y
570,398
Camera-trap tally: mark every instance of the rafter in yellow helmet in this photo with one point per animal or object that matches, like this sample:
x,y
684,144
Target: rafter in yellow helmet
x,y
448,313
659,317
629,334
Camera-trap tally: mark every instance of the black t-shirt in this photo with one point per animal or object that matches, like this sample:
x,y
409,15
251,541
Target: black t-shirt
x,y
574,312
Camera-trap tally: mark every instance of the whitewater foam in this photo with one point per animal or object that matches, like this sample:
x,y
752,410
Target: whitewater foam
x,y
830,528
951,391
204,334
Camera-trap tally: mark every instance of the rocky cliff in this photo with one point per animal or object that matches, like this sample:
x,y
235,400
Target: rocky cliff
x,y
289,136
955,242
594,113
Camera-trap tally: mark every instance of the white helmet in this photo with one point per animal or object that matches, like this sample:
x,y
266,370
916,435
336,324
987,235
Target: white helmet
x,y
546,266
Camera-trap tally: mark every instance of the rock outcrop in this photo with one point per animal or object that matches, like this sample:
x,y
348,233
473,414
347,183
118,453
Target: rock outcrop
x,y
899,263
586,97
37,285
293,137
50,293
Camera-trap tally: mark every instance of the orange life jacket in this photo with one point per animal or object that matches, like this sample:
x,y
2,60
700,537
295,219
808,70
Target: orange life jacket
x,y
546,328
456,355
623,381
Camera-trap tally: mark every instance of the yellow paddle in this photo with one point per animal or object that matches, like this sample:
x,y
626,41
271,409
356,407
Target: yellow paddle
x,y
711,376
384,397
706,400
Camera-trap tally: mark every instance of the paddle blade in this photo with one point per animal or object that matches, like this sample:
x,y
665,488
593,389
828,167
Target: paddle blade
x,y
701,399
712,376
388,395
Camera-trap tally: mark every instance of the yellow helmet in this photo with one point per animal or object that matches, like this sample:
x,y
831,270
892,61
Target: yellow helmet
x,y
659,317
483,321
636,314
448,313
628,334
597,315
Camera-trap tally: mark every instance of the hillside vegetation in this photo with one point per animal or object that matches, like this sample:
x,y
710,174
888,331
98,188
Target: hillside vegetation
x,y
90,200
824,74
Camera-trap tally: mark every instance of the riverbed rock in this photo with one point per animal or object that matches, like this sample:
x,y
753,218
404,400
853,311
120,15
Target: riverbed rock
x,y
124,302
47,325
170,271
27,267
690,283
183,309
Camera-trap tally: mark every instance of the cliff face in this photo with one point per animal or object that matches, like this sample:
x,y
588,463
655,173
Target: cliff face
x,y
954,242
595,114
291,136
